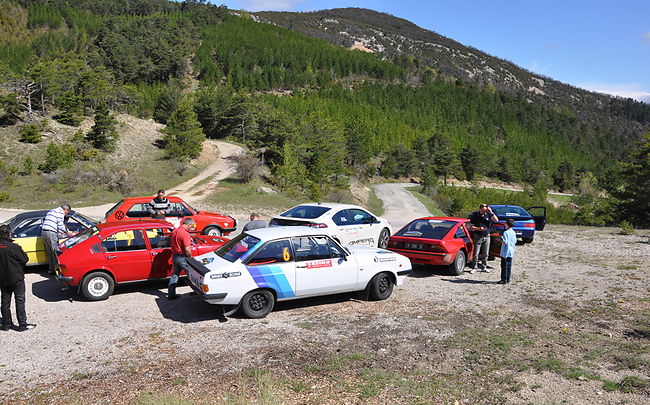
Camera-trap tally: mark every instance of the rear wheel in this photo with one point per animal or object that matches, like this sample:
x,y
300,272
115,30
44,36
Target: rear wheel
x,y
457,267
97,286
257,304
383,238
212,231
381,286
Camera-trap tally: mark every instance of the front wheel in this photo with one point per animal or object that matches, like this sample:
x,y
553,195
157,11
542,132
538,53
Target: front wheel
x,y
257,304
212,231
381,286
97,286
383,238
457,267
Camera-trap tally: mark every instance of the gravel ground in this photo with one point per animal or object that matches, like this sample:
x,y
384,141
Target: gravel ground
x,y
137,342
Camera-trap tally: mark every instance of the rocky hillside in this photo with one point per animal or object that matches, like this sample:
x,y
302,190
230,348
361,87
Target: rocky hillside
x,y
400,40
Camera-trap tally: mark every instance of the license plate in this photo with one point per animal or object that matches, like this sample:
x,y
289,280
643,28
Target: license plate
x,y
518,233
413,245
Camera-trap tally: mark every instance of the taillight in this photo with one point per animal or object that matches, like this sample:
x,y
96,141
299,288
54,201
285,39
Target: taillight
x,y
436,248
393,243
317,225
529,225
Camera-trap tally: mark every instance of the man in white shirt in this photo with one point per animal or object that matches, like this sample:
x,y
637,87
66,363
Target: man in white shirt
x,y
54,227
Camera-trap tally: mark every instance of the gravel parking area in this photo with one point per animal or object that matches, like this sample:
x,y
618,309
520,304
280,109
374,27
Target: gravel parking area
x,y
575,289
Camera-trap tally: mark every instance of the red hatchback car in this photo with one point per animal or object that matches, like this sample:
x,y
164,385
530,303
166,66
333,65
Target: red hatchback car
x,y
438,241
207,223
122,252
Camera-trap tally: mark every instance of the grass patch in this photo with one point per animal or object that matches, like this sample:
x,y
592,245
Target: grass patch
x,y
427,202
626,267
627,384
244,196
375,204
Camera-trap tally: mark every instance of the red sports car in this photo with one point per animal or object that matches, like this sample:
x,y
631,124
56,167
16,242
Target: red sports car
x,y
207,223
438,241
122,252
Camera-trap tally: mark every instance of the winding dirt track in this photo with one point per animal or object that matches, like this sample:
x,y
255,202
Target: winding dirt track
x,y
400,206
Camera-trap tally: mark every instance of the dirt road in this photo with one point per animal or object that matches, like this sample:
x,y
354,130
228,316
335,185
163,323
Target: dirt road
x,y
400,206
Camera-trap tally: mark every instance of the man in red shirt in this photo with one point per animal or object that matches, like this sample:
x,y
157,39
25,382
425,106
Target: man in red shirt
x,y
181,244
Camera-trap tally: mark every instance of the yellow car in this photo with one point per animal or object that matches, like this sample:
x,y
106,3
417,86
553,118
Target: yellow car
x,y
26,232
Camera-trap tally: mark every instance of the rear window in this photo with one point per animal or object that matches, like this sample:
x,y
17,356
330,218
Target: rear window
x,y
510,212
305,211
237,247
427,228
112,210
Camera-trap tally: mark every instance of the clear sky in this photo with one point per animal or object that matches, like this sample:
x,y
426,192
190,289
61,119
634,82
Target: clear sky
x,y
601,45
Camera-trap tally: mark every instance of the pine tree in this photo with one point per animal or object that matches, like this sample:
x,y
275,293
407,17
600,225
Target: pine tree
x,y
634,192
469,159
183,136
103,134
72,110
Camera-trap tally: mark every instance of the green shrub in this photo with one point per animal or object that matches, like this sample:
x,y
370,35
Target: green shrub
x,y
31,133
57,156
626,228
4,196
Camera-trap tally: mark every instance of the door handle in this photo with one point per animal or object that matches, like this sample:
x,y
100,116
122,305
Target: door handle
x,y
111,257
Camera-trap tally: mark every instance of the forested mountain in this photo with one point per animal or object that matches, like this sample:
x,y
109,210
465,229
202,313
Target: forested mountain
x,y
320,112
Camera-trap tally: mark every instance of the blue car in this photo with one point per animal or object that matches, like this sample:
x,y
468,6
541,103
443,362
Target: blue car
x,y
525,223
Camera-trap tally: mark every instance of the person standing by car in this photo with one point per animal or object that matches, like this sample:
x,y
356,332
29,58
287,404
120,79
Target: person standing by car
x,y
159,206
181,244
509,240
54,227
481,221
255,223
12,281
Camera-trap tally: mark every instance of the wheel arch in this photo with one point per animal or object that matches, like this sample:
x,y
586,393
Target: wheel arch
x,y
96,270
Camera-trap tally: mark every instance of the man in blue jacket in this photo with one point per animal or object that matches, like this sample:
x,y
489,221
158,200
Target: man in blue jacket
x,y
509,240
12,281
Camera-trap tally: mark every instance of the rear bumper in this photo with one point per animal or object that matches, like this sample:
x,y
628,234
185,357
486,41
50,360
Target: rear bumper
x,y
211,298
431,258
524,232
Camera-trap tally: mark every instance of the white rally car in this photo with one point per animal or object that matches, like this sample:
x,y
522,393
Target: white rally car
x,y
262,266
347,224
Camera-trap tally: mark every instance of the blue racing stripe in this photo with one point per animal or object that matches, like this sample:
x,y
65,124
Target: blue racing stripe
x,y
272,277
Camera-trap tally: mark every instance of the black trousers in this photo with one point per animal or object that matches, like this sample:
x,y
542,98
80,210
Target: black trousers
x,y
506,268
18,290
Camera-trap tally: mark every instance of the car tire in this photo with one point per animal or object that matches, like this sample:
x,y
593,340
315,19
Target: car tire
x,y
257,304
212,231
527,240
230,310
457,267
383,238
97,286
381,286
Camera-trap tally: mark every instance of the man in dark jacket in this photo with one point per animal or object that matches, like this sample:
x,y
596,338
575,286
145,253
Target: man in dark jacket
x,y
12,280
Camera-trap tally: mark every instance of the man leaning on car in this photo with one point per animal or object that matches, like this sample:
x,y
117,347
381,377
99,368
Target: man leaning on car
x,y
481,222
53,227
181,244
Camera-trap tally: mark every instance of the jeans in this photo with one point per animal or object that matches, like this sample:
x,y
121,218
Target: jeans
x,y
180,264
506,268
481,249
51,242
18,290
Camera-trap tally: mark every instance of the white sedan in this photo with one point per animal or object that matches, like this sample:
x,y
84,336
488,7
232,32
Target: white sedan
x,y
262,266
347,224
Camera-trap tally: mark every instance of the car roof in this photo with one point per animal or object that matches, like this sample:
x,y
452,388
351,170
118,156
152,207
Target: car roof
x,y
452,219
277,232
330,205
505,205
41,214
132,224
136,200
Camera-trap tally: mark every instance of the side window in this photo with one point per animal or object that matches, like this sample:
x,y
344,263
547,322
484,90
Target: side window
x,y
273,252
178,210
159,238
124,241
138,211
342,218
361,216
28,229
312,248
460,233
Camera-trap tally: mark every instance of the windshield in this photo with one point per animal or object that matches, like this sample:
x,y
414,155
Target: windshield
x,y
236,248
77,239
427,228
305,211
510,212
